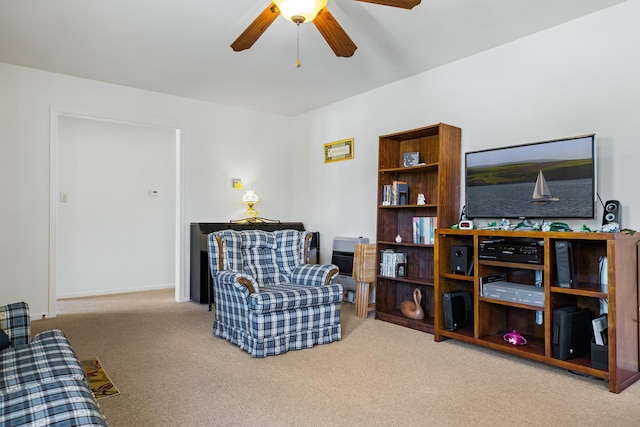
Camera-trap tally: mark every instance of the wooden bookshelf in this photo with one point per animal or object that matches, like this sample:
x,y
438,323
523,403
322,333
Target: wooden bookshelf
x,y
438,178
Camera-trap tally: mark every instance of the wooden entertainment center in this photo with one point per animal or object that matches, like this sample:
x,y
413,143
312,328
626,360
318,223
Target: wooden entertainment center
x,y
492,318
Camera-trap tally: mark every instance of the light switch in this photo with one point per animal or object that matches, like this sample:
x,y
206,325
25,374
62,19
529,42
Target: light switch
x,y
64,197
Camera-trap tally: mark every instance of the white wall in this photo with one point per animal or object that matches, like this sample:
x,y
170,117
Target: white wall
x,y
112,234
578,78
218,143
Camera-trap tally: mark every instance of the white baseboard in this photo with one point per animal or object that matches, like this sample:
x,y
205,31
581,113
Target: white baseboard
x,y
115,291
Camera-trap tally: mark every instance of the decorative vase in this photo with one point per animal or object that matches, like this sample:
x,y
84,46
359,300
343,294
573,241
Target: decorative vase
x,y
413,309
398,239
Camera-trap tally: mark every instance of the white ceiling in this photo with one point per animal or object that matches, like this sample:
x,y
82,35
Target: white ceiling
x,y
181,47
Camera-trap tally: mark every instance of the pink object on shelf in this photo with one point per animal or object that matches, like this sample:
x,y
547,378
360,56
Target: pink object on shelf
x,y
514,338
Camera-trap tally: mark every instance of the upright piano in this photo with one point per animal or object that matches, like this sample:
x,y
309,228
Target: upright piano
x,y
201,286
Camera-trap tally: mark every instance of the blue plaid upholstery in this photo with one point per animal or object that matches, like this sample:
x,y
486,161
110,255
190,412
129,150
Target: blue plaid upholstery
x,y
15,321
65,402
48,358
268,300
42,382
287,296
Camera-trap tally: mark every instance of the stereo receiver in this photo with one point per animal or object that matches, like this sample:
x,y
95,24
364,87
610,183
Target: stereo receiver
x,y
528,251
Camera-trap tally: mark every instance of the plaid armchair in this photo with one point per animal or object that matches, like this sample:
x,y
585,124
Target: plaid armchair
x,y
268,299
42,381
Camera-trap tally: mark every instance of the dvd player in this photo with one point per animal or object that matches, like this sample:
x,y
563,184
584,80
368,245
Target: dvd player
x,y
514,292
527,251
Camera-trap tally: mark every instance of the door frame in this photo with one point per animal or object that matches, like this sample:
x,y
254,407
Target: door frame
x,y
181,290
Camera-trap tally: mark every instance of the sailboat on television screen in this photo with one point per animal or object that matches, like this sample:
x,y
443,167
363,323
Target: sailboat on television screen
x,y
541,191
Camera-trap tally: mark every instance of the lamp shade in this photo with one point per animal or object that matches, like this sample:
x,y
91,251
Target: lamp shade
x,y
307,9
250,197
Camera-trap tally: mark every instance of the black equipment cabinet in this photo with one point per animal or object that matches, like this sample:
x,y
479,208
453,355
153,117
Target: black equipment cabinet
x,y
201,286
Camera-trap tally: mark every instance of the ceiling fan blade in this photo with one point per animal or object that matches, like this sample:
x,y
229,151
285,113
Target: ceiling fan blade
x,y
257,27
338,40
405,4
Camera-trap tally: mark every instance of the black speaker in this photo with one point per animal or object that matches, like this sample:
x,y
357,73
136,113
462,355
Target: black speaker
x,y
612,213
571,332
461,261
458,309
564,264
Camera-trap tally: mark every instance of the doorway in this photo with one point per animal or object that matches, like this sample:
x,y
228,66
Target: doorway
x,y
115,208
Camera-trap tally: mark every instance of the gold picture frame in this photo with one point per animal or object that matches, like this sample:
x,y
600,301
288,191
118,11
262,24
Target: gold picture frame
x,y
338,150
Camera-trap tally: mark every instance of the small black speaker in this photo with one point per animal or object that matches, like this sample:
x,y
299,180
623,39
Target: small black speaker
x,y
612,213
564,264
571,333
458,309
461,261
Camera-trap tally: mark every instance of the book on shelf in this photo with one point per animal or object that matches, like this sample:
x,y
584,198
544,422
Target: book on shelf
x,y
424,229
386,195
395,194
393,264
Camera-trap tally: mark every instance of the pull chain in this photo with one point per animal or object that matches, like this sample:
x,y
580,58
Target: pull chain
x,y
298,19
298,48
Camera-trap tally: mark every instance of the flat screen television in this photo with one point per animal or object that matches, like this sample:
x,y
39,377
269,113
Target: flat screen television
x,y
546,180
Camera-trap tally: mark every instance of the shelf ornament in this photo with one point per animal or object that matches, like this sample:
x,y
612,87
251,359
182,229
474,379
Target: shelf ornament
x,y
514,338
413,309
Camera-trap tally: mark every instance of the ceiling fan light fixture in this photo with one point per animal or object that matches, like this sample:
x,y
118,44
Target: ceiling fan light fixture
x,y
299,11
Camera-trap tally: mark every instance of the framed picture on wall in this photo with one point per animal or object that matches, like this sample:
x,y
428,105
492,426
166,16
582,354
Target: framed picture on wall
x,y
338,150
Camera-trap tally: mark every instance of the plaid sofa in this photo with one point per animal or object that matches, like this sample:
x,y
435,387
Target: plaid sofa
x,y
41,380
268,299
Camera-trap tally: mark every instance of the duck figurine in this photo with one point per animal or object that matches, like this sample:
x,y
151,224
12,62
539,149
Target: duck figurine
x,y
413,309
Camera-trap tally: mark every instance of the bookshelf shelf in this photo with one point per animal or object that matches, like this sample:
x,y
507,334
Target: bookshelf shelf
x,y
411,169
433,205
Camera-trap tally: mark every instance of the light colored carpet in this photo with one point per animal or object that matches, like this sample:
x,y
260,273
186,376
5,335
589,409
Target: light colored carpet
x,y
172,371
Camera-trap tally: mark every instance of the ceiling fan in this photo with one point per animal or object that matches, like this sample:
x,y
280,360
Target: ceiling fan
x,y
336,37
